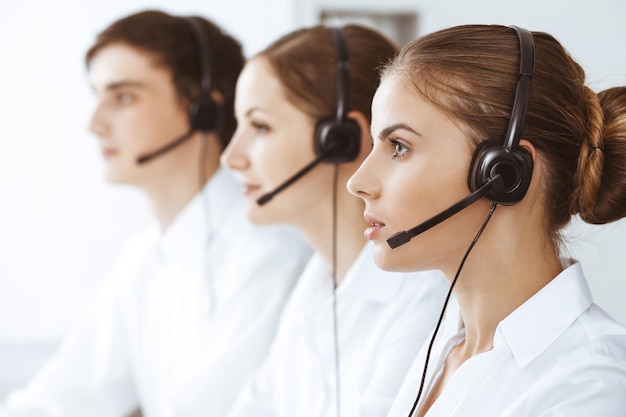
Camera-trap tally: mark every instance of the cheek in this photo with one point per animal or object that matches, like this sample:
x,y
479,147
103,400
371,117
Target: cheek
x,y
132,127
436,185
157,123
270,161
415,196
275,159
413,193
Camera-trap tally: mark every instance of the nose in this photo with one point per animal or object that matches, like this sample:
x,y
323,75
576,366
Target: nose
x,y
98,125
364,182
233,156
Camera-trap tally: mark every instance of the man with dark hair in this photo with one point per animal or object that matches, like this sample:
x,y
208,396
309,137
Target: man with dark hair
x,y
191,307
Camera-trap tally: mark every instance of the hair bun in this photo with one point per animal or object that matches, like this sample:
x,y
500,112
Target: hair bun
x,y
606,162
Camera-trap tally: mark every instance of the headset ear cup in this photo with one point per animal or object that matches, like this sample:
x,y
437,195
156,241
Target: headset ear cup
x,y
515,168
339,141
203,115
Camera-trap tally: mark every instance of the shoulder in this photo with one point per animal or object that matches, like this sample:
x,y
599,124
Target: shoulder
x,y
132,259
599,344
141,243
598,325
591,380
266,257
594,336
589,374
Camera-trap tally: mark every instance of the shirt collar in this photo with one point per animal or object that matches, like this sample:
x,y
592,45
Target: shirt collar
x,y
365,280
185,239
528,332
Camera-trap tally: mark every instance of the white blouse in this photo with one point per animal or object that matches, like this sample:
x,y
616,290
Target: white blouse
x,y
383,319
558,354
169,333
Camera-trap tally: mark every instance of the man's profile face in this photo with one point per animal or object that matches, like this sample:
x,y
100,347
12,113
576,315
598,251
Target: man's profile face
x,y
137,111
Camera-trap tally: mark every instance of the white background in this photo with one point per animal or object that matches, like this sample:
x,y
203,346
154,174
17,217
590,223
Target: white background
x,y
62,225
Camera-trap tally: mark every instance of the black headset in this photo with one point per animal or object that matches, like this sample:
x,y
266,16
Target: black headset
x,y
512,162
338,138
203,111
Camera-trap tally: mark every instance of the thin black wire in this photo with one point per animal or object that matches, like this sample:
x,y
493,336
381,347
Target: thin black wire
x,y
207,236
445,305
202,155
334,273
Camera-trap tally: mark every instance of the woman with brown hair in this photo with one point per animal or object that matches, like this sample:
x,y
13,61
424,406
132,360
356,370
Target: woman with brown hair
x,y
510,108
349,330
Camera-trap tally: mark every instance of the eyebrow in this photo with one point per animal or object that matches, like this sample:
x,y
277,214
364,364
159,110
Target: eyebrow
x,y
398,126
125,83
255,109
250,111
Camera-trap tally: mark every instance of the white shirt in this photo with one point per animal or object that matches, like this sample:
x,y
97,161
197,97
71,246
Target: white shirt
x,y
383,319
167,333
558,354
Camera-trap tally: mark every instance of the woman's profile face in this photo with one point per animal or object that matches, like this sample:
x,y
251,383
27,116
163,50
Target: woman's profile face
x,y
273,140
417,168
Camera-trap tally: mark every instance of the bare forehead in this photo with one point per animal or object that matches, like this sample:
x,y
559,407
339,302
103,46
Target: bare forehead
x,y
258,86
394,88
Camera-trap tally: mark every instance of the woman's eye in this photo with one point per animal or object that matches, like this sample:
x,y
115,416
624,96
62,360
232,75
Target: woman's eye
x,y
399,149
261,128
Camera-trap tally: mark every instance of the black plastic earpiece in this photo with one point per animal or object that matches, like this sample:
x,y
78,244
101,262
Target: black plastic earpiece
x,y
512,162
338,137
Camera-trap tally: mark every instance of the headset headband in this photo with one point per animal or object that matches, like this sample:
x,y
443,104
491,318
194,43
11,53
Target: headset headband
x,y
343,71
522,93
204,56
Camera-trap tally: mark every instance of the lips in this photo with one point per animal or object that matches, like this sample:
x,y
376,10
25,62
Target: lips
x,y
375,226
108,152
249,189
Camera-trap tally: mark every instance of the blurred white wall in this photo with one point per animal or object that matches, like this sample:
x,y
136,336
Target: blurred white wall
x,y
61,225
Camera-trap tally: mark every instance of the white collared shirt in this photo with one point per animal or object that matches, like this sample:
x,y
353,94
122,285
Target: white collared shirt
x,y
169,333
558,354
383,319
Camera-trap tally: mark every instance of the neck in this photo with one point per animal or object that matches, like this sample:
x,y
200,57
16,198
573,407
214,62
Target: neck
x,y
507,267
183,178
349,233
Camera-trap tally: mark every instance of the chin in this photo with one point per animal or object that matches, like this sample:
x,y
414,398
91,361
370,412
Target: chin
x,y
113,178
256,215
272,213
395,260
115,173
117,178
386,259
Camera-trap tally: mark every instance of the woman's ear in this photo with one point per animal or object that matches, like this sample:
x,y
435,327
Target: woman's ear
x,y
534,190
366,141
530,147
217,97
